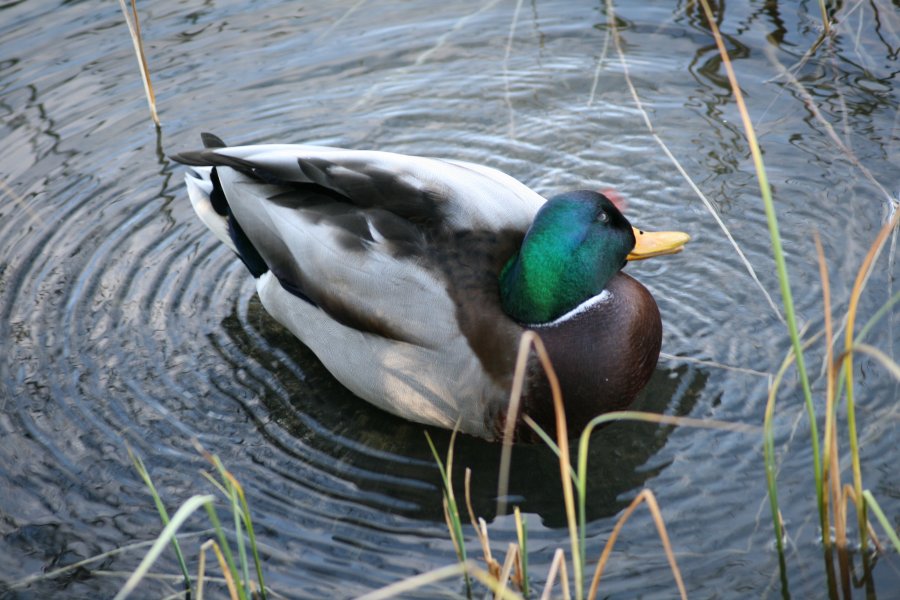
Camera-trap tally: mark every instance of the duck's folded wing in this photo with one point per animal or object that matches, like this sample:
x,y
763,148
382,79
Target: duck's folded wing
x,y
446,195
365,268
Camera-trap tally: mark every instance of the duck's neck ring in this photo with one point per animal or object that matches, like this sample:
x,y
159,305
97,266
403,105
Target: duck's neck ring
x,y
601,298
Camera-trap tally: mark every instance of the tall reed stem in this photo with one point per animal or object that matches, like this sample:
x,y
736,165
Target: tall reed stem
x,y
777,251
861,276
134,28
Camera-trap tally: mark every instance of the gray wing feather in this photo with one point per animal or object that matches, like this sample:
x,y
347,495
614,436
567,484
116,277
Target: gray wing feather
x,y
448,194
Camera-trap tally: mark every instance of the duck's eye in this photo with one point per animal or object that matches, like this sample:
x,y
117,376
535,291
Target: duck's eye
x,y
602,217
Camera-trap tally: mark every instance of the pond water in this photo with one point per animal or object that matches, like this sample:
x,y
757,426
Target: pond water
x,y
124,322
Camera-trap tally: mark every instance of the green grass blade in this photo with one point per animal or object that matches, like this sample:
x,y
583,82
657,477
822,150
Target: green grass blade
x,y
885,522
769,452
239,535
161,509
549,441
452,508
522,537
451,499
181,515
873,320
229,483
853,305
226,549
864,332
248,524
577,481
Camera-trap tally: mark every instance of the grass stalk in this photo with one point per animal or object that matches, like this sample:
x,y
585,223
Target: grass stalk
x,y
512,418
512,558
581,483
201,567
248,524
886,361
855,295
769,452
826,24
480,528
522,537
32,579
239,534
830,468
223,552
646,496
557,569
241,512
579,474
780,264
864,331
161,509
850,495
879,314
565,465
528,340
134,28
630,415
885,522
468,568
231,488
181,515
413,583
451,510
227,572
611,20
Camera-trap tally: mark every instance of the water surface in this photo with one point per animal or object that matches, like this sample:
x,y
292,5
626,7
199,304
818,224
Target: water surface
x,y
123,321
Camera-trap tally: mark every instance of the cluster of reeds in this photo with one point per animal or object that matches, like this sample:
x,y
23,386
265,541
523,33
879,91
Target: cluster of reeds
x,y
514,568
235,571
831,496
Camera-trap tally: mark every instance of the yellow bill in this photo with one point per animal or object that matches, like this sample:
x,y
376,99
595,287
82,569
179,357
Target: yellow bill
x,y
648,244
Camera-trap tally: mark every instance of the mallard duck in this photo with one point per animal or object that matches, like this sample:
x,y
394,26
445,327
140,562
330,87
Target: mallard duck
x,y
412,279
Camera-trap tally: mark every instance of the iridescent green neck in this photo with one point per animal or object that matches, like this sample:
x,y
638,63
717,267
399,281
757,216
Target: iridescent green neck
x,y
577,242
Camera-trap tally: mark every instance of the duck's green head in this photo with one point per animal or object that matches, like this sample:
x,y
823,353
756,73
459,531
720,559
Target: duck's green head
x,y
577,242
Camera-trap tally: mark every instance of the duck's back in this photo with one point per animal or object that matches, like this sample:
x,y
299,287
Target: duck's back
x,y
384,265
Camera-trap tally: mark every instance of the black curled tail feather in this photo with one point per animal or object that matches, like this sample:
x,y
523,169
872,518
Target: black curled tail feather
x,y
210,140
